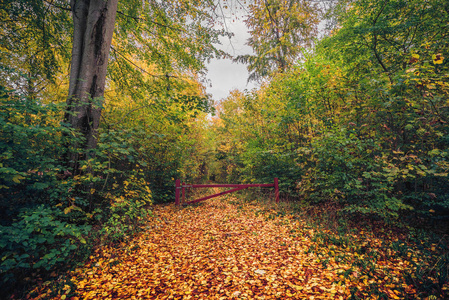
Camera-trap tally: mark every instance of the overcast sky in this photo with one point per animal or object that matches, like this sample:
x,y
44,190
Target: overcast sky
x,y
225,75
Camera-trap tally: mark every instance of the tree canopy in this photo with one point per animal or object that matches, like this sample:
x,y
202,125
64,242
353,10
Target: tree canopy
x,y
280,30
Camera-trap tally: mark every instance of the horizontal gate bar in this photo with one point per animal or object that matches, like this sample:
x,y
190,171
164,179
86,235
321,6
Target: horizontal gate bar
x,y
180,188
216,195
228,185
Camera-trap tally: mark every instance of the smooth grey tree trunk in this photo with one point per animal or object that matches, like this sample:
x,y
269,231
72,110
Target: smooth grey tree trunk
x,y
93,29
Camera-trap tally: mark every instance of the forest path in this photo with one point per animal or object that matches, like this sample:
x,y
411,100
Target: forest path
x,y
220,249
215,250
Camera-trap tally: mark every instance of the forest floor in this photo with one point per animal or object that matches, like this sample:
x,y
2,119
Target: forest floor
x,y
226,248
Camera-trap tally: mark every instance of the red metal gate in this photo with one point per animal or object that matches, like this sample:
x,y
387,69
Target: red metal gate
x,y
180,188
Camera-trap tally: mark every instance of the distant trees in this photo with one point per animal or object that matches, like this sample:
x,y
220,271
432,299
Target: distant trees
x,y
280,30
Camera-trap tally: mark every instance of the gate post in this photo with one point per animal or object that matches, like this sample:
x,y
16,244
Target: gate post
x,y
276,189
183,192
177,192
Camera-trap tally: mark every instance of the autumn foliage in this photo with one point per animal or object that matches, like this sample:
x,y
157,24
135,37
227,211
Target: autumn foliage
x,y
352,119
234,249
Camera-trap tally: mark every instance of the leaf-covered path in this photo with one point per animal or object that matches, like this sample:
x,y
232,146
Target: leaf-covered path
x,y
222,250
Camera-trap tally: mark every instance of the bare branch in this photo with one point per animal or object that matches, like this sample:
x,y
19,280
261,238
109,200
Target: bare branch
x,y
141,69
156,23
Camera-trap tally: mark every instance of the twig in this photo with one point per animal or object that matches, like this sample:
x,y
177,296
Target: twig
x,y
154,22
141,69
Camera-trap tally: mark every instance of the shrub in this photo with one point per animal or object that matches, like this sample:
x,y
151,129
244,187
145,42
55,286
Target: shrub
x,y
38,239
129,210
350,170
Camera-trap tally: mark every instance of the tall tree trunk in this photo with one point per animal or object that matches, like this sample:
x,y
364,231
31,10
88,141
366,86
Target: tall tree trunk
x,y
93,28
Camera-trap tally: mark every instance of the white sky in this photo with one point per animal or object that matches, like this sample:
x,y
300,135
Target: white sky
x,y
224,75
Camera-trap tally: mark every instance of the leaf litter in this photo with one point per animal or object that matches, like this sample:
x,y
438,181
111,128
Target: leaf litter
x,y
220,250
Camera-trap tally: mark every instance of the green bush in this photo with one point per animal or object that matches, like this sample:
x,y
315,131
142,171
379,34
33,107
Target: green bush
x,y
32,144
45,210
262,166
129,210
124,150
38,239
350,170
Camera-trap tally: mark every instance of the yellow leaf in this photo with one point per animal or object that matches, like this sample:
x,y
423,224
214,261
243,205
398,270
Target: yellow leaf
x,y
72,207
438,58
394,296
17,178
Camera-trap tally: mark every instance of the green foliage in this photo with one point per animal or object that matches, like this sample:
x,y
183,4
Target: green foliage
x,y
361,121
33,43
31,144
349,170
129,210
38,239
262,166
46,212
35,233
163,141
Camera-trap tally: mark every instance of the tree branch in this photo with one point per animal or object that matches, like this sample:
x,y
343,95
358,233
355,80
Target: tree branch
x,y
379,59
156,23
141,69
57,6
